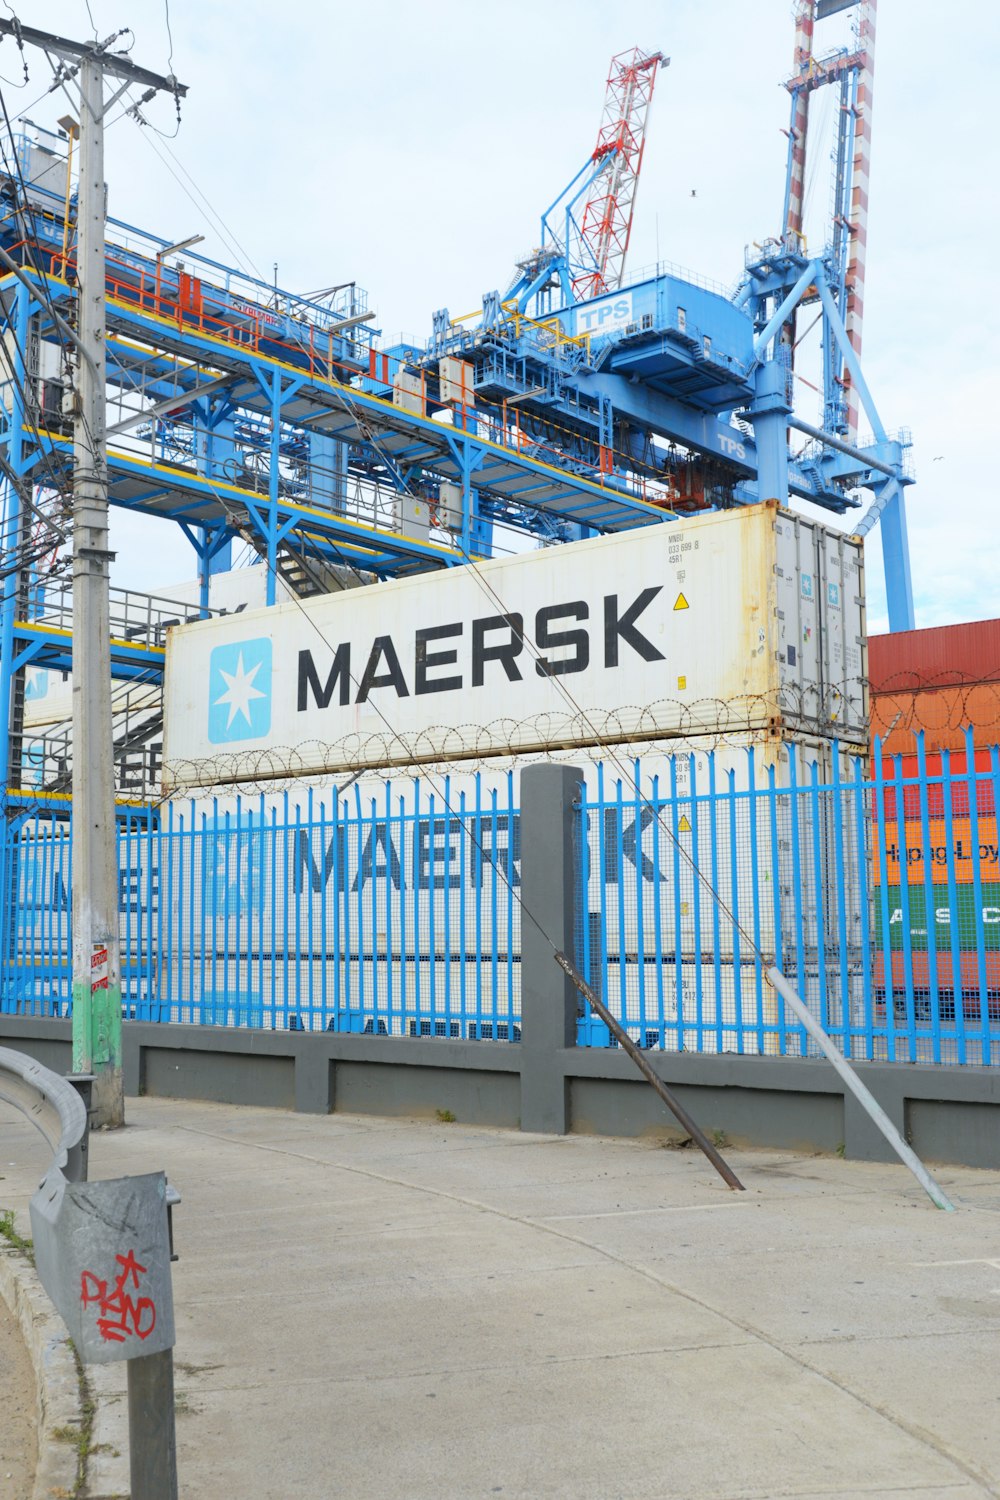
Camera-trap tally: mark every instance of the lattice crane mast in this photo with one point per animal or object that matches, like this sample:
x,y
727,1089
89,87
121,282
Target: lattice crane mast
x,y
586,229
852,71
606,222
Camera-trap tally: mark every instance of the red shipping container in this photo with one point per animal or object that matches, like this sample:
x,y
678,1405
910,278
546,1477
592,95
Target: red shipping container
x,y
946,656
960,800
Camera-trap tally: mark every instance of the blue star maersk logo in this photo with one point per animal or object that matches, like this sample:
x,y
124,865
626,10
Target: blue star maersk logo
x,y
239,691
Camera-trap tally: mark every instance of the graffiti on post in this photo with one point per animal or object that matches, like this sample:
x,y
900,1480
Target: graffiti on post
x,y
120,1315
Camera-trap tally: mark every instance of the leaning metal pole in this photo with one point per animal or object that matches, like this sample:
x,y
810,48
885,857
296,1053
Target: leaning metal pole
x,y
97,1011
669,1098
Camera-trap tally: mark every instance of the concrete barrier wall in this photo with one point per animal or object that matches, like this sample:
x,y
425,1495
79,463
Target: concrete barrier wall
x,y
949,1114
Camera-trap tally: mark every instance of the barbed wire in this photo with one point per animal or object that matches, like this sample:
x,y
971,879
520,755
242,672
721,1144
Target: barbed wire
x,y
584,730
936,704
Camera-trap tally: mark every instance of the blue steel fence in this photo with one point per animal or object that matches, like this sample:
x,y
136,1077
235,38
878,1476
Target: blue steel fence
x,y
395,915
873,883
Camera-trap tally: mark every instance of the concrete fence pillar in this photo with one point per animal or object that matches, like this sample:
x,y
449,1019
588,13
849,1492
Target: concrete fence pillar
x,y
550,796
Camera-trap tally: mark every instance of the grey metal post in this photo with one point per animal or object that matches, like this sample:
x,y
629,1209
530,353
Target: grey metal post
x,y
97,1011
549,885
152,1439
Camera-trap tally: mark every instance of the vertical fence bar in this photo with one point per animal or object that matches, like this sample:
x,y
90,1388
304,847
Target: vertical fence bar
x,y
431,913
466,891
734,907
678,931
906,916
777,915
656,900
279,892
123,913
818,841
991,809
390,888
418,933
954,909
228,923
755,898
174,926
795,828
447,886
605,973
288,928
930,903
376,873
324,863
865,903
622,913
338,836
977,887
351,985
479,864
640,905
67,885
309,957
841,879
885,909
713,825
159,927
696,913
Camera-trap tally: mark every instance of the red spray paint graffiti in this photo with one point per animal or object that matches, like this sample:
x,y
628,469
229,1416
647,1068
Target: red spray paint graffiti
x,y
121,1315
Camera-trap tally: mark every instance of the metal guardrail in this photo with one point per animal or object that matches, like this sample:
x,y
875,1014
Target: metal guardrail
x,y
103,1252
53,1105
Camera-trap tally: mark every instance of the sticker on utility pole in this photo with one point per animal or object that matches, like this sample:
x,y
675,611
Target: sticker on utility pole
x,y
99,968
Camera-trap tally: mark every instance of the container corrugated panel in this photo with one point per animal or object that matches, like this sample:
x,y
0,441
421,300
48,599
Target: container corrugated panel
x,y
946,655
730,623
942,714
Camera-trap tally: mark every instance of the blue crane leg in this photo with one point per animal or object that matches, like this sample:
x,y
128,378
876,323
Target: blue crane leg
x,y
896,562
769,414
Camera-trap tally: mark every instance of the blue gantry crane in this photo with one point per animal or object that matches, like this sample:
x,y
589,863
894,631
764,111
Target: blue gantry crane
x,y
577,401
664,386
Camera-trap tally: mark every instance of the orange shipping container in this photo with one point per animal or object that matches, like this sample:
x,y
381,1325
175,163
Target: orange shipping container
x,y
905,849
942,713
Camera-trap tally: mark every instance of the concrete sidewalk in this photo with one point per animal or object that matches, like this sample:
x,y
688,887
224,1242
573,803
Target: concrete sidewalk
x,y
384,1308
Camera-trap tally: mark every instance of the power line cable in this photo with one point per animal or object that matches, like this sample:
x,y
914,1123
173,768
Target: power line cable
x,y
170,37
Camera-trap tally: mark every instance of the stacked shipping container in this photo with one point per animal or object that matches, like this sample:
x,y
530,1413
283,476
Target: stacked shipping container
x,y
727,652
940,867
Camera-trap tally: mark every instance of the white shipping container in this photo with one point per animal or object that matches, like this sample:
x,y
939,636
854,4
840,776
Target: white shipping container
x,y
49,695
415,863
739,621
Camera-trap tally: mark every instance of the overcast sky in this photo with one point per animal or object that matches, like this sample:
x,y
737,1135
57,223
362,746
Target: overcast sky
x,y
411,147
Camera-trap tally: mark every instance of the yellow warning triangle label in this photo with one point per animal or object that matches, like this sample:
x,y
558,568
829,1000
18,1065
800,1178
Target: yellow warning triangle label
x,y
683,826
681,602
